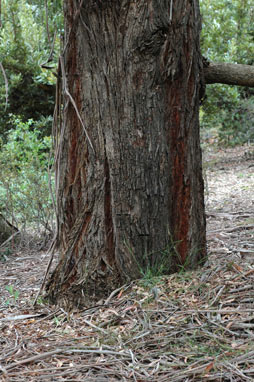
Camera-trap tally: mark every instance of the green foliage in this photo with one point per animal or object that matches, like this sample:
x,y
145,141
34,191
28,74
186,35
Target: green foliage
x,y
162,262
26,43
228,30
228,36
24,193
156,267
14,294
4,253
237,124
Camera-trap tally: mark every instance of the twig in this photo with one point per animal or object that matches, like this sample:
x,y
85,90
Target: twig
x,y
50,57
245,274
6,85
217,297
220,311
171,10
52,252
66,91
232,367
47,20
95,327
41,356
9,239
113,294
233,229
32,359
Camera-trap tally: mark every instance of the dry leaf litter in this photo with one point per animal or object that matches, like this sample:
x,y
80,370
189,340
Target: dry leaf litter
x,y
191,326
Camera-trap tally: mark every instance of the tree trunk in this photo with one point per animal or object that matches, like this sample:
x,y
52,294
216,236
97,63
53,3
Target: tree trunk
x,y
6,229
230,74
129,177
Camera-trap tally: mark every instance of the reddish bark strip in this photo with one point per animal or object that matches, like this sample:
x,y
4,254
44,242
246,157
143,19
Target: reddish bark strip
x,y
181,206
110,245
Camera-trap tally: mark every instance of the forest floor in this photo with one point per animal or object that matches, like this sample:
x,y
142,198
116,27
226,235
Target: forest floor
x,y
191,326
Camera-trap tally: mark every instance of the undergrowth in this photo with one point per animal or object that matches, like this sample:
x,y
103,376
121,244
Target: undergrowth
x,y
25,199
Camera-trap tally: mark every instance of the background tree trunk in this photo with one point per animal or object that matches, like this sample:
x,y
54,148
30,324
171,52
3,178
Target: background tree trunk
x,y
6,229
131,196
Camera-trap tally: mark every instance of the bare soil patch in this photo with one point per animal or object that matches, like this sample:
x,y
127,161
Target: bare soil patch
x,y
191,326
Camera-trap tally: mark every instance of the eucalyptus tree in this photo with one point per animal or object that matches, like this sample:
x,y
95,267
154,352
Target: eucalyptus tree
x,y
128,159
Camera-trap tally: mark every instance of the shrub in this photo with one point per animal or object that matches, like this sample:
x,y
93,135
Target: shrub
x,y
24,193
229,113
238,125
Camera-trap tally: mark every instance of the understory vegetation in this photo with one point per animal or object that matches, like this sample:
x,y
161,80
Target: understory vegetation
x,y
24,184
30,43
228,36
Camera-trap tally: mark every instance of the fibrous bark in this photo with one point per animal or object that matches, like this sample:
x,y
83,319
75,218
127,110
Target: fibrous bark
x,y
129,178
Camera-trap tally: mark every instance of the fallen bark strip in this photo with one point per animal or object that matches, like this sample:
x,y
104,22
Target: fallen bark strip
x,y
41,356
232,229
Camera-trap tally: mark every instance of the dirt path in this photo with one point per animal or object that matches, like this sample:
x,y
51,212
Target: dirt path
x,y
192,326
230,204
